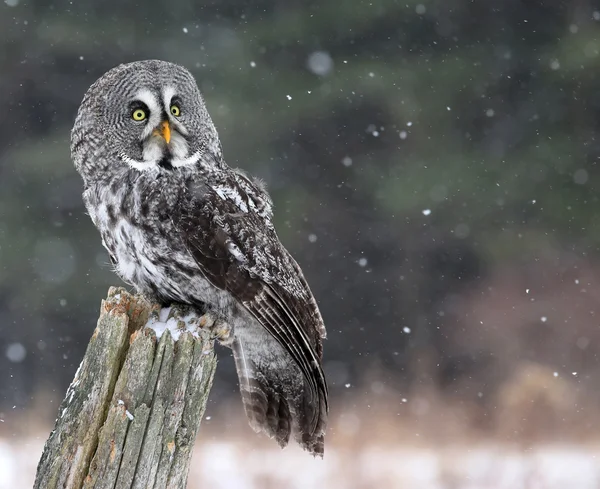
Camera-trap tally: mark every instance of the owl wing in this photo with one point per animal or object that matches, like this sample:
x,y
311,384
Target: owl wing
x,y
230,236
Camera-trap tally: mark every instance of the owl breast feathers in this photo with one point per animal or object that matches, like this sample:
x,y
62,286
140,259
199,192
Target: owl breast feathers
x,y
182,226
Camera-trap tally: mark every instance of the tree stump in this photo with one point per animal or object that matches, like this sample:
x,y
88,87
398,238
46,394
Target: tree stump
x,y
131,415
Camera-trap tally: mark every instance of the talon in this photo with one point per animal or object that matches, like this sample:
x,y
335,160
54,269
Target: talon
x,y
207,321
218,328
154,315
223,332
178,311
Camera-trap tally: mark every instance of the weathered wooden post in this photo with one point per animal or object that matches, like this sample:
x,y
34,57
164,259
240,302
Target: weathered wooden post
x,y
131,415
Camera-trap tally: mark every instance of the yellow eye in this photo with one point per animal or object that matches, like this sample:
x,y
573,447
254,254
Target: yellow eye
x,y
138,115
175,110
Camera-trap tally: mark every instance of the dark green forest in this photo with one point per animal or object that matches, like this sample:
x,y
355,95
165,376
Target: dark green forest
x,y
433,164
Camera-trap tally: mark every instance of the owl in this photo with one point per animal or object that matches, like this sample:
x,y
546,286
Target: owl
x,y
181,226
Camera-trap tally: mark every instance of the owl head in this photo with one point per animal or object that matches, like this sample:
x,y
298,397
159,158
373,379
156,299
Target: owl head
x,y
145,116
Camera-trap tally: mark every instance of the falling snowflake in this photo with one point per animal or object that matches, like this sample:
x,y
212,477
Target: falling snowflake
x,y
320,63
16,352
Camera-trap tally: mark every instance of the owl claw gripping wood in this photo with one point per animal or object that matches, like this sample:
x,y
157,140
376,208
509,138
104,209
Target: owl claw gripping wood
x,y
183,227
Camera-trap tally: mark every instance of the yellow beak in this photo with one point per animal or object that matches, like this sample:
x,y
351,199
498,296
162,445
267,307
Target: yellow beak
x,y
165,131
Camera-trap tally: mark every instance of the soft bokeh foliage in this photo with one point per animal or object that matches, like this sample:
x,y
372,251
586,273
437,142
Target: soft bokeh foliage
x,y
433,165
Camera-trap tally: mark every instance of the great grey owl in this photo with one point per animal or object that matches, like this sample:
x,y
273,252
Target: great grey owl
x,y
182,226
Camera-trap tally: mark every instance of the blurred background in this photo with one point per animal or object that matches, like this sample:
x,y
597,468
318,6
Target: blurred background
x,y
434,166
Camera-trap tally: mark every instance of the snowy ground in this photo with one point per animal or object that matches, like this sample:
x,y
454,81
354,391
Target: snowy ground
x,y
223,465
